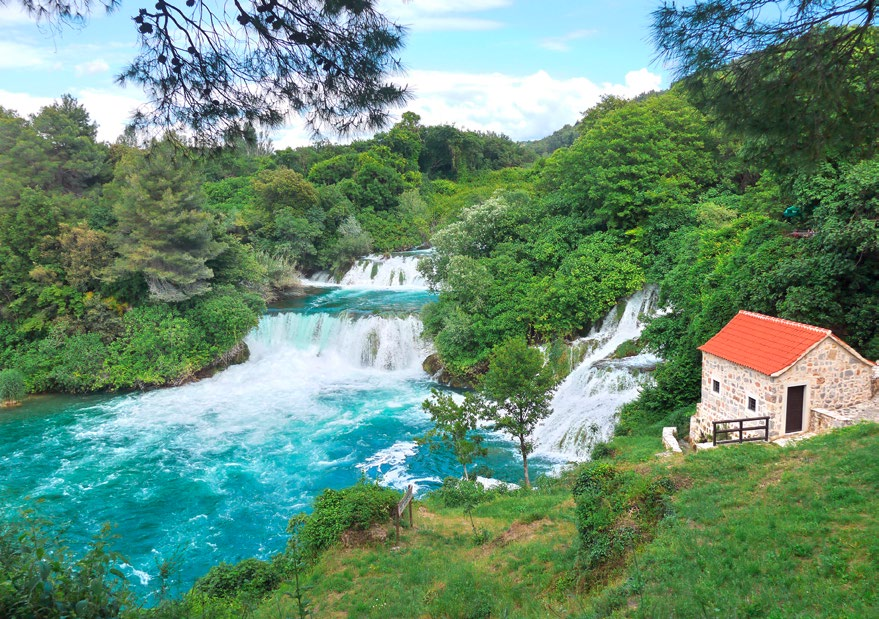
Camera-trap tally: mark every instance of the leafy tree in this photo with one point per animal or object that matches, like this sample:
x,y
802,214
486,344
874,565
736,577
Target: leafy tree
x,y
404,139
518,389
70,140
218,68
85,254
588,283
635,161
283,188
454,426
796,78
351,243
163,233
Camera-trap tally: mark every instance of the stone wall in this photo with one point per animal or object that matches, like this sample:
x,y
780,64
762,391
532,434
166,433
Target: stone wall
x,y
737,384
822,419
834,379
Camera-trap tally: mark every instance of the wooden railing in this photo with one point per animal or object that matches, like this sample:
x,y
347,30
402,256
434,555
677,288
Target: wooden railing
x,y
741,430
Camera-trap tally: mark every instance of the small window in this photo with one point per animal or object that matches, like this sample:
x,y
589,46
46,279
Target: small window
x,y
715,386
752,404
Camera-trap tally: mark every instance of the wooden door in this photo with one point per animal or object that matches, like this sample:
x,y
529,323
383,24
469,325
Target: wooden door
x,y
796,397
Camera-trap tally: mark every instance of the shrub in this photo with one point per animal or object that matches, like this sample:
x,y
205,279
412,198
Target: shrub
x,y
250,576
39,577
357,507
460,493
79,364
12,388
224,316
616,510
159,346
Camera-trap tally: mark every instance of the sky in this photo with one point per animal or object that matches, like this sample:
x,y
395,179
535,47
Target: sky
x,y
523,68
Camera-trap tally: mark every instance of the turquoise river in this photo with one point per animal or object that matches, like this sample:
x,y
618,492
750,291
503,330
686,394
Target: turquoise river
x,y
211,471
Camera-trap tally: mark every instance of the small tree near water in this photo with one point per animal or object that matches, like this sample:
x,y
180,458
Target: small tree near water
x,y
12,387
454,427
518,388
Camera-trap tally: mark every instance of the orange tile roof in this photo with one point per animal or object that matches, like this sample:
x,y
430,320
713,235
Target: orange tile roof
x,y
764,343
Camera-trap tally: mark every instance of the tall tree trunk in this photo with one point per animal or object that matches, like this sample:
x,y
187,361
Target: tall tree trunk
x,y
466,477
524,460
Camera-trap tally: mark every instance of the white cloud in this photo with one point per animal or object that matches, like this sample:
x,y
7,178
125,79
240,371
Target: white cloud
x,y
92,67
563,43
522,107
422,15
18,56
10,15
23,103
110,110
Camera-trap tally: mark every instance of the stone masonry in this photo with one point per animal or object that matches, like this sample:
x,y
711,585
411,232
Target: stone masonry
x,y
834,379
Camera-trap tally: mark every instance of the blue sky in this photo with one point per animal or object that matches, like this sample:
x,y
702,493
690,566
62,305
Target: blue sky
x,y
523,68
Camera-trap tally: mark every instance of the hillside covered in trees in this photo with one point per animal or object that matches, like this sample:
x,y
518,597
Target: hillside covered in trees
x,y
127,266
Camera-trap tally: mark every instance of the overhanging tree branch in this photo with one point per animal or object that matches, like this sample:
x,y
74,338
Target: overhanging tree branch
x,y
219,67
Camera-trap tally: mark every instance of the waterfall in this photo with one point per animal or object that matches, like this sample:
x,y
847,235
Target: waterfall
x,y
394,271
351,338
586,403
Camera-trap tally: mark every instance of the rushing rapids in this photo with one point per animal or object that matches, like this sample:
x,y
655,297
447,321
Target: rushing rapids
x,y
585,405
211,471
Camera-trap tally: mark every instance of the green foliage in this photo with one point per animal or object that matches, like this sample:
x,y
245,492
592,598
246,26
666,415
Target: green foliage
x,y
587,284
12,387
796,85
454,427
40,577
250,577
224,317
635,161
616,511
461,493
163,232
159,345
357,507
518,389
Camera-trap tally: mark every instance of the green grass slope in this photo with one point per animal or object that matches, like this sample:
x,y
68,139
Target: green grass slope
x,y
760,531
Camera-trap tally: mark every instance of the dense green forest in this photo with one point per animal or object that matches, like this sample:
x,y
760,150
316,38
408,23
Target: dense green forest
x,y
128,266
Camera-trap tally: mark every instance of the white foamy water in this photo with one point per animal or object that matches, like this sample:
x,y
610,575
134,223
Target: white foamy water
x,y
586,403
385,342
389,467
395,271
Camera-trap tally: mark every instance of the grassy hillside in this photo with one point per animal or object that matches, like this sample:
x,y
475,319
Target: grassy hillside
x,y
751,531
759,531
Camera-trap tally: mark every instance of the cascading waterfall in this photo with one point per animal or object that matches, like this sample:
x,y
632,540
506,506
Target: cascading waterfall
x,y
395,271
385,342
212,470
585,405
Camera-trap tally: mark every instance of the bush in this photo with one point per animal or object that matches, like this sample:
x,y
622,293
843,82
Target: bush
x,y
250,576
616,510
40,578
12,387
357,507
224,316
159,346
460,493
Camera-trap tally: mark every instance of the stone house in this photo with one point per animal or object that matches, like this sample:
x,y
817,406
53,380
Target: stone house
x,y
803,378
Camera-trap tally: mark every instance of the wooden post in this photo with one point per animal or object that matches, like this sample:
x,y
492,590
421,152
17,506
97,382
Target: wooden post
x,y
405,502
